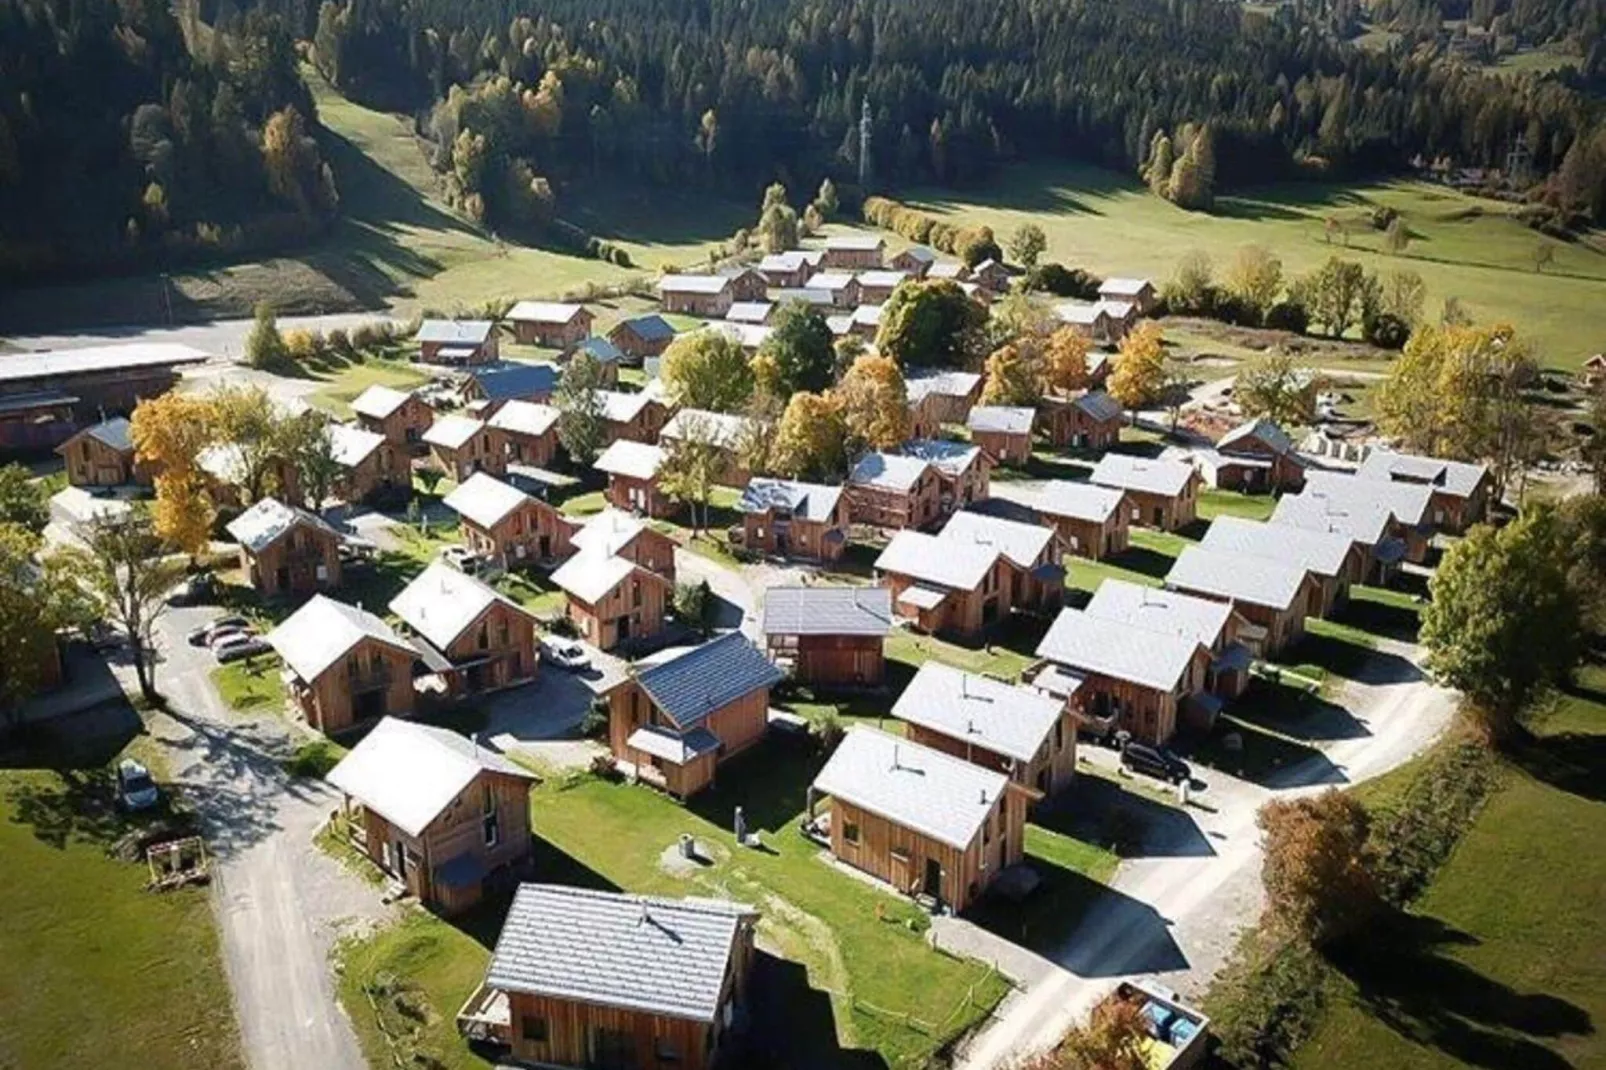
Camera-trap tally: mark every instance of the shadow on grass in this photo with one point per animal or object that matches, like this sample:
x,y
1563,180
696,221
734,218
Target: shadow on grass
x,y
1141,559
1048,915
793,1025
1574,762
1241,749
1406,977
1381,618
1100,811
770,783
85,740
1351,661
1294,711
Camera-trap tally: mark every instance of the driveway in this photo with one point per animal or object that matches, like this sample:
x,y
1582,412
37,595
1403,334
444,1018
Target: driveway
x,y
740,591
542,720
1175,911
282,904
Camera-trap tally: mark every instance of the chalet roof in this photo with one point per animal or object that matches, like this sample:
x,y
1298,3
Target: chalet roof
x,y
1256,580
1152,475
1121,310
722,428
1364,522
1099,406
839,325
1021,543
456,332
949,384
882,279
860,242
866,315
707,678
525,418
746,335
947,269
1080,313
1155,609
1120,287
949,458
379,401
351,445
91,359
1261,429
264,523
829,281
621,406
805,501
950,563
1407,502
599,349
634,460
945,798
1007,720
505,381
1456,478
693,284
591,574
323,631
749,312
1063,498
609,531
1113,648
544,312
656,956
920,254
113,433
1321,552
865,611
888,471
452,432
440,603
1003,419
649,328
801,293
484,499
409,773
790,260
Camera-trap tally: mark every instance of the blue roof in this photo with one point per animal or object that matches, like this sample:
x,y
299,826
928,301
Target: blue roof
x,y
650,328
708,678
602,350
508,381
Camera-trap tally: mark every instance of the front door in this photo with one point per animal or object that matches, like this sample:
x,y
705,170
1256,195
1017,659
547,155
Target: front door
x,y
932,885
624,628
546,547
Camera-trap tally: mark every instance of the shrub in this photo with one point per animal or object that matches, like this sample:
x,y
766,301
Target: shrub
x,y
1288,316
1061,281
1266,1003
1411,840
1382,216
565,627
314,758
828,731
340,343
595,723
1386,331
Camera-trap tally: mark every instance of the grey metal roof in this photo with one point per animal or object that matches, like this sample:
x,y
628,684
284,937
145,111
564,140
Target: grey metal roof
x,y
1262,429
920,382
1007,720
807,501
916,787
1062,498
791,260
1408,502
885,279
827,611
855,242
623,406
749,312
887,471
1157,610
440,603
526,418
323,631
599,349
708,678
921,254
51,362
1120,287
484,499
1456,478
922,597
1080,313
379,401
590,574
1365,523
1322,552
801,293
693,284
1099,406
947,562
642,953
947,269
1148,474
1259,581
452,431
269,519
1022,543
1079,640
351,445
635,460
829,281
507,381
651,328
950,458
471,332
113,433
1005,419
543,312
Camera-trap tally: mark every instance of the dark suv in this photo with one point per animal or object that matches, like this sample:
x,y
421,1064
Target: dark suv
x,y
1142,758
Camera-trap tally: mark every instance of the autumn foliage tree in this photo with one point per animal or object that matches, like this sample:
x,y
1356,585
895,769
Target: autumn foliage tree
x,y
1318,886
707,370
1015,373
1065,361
1274,386
875,403
932,322
811,438
1139,375
168,433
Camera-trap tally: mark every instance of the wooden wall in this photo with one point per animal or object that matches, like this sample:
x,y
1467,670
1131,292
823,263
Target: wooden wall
x,y
638,496
1050,770
1006,448
836,660
805,539
300,551
507,637
404,427
599,623
915,508
516,539
92,463
329,703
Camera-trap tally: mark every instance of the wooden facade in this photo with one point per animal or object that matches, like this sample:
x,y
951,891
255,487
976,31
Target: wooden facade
x,y
840,258
1091,539
553,334
93,463
519,447
374,679
973,483
301,561
1004,447
1167,512
1068,424
384,473
1148,713
634,609
885,507
496,650
707,305
793,537
638,496
831,661
404,426
486,352
652,550
479,453
1050,771
532,532
637,346
963,614
737,725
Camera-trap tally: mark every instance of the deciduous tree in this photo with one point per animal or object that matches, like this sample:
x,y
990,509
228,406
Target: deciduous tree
x,y
22,501
307,446
1337,295
691,468
707,370
245,419
1139,375
36,601
1318,887
1065,361
1404,295
875,403
1027,245
265,346
580,425
1275,386
1015,374
800,343
1188,289
932,322
811,439
1255,277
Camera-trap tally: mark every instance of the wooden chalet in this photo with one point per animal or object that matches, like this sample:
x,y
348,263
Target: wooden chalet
x,y
550,324
1003,432
460,446
875,287
828,637
616,533
1257,456
612,600
790,519
853,252
1403,509
1139,292
1221,629
727,431
401,416
1092,522
708,296
1160,493
632,469
955,271
525,433
1124,316
1274,595
791,269
1091,321
937,398
486,390
372,468
842,287
508,525
469,635
234,481
992,276
1038,579
444,816
748,284
1028,736
343,665
589,979
932,826
1459,492
1089,421
286,551
915,261
686,711
607,355
947,586
637,416
47,396
640,337
102,455
460,342
891,491
1333,560
963,471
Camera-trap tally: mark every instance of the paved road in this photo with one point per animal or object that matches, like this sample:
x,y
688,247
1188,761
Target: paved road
x,y
281,903
222,338
1176,911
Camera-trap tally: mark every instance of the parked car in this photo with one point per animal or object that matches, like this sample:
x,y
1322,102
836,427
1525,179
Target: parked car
x,y
356,548
232,631
238,645
1162,764
203,635
465,560
193,591
135,788
565,654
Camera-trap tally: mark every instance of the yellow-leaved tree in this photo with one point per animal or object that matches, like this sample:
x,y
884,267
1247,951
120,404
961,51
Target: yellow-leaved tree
x,y
811,439
1139,376
1015,373
1065,361
168,433
875,402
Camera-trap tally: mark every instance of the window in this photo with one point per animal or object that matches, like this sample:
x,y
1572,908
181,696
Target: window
x,y
484,637
900,854
532,1027
850,834
1059,734
491,828
666,1051
502,632
635,593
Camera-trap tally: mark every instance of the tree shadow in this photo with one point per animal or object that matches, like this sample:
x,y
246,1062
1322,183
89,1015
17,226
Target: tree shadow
x,y
82,740
1405,975
1381,618
1097,810
769,782
1350,661
1242,749
1296,712
1574,762
234,775
792,1025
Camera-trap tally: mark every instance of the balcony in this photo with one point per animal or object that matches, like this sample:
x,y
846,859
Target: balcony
x,y
368,677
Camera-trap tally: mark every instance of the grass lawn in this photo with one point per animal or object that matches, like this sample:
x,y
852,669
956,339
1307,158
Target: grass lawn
x,y
859,946
252,684
535,593
97,968
914,650
1214,503
1504,965
343,382
588,504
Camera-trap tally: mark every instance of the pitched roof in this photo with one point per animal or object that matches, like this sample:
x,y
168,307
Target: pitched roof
x,y
351,445
749,312
790,260
949,384
441,602
649,328
1116,309
947,269
657,956
1004,419
1408,502
949,562
599,349
265,522
452,431
525,418
473,332
888,471
1364,522
83,361
1155,609
543,312
1321,552
913,786
1007,720
806,501
827,611
693,284
623,406
829,281
1099,406
484,499
379,401
1123,287
609,531
707,678
722,428
920,254
112,433
506,381
1152,475
821,298
634,460
1063,498
859,242
1116,649
866,315
949,458
1021,543
323,631
883,279
1259,581
746,335
591,574
1456,478
1264,430
409,773
1080,313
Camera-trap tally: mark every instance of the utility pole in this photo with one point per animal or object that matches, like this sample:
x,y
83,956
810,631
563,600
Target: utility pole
x,y
864,146
1519,162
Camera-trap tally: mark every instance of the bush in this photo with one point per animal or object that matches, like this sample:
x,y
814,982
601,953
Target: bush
x,y
564,627
828,731
1382,216
1061,281
1288,316
340,343
314,758
1266,1003
1386,331
1410,841
595,723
